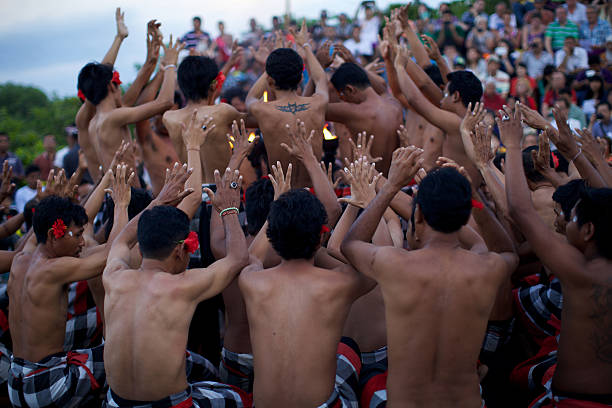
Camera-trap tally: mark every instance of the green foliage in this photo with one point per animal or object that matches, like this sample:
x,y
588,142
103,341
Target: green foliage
x,y
27,114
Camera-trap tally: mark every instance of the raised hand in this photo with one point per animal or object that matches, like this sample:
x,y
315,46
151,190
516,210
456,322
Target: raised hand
x,y
431,47
565,141
472,117
533,118
228,190
174,190
510,128
261,53
364,147
404,136
376,67
323,56
330,174
279,40
541,157
171,52
7,188
401,15
302,36
591,147
362,176
446,162
405,164
240,139
401,57
57,185
122,30
154,41
481,142
344,53
280,181
194,134
120,188
301,144
237,52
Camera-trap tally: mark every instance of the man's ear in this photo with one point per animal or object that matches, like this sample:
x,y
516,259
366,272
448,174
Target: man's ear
x,y
50,235
587,231
456,97
418,215
271,82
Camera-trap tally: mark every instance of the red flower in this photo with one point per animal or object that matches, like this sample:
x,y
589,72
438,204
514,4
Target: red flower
x,y
116,79
81,96
59,228
220,80
555,159
324,229
191,242
477,204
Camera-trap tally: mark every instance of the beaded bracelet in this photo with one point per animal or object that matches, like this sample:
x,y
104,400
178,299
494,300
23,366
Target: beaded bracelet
x,y
224,212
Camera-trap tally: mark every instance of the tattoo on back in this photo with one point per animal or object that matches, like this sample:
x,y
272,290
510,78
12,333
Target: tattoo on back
x,y
601,336
293,107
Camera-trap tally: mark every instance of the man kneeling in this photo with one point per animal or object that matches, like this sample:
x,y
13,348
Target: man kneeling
x,y
148,310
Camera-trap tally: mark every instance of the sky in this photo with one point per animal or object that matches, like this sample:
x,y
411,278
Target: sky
x,y
45,44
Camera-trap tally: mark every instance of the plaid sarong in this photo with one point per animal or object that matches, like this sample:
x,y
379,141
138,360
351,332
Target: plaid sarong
x,y
348,366
376,356
83,322
60,380
199,368
205,394
236,369
536,305
373,378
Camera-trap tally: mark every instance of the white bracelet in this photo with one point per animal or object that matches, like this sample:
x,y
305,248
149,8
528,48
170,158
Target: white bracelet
x,y
576,156
168,66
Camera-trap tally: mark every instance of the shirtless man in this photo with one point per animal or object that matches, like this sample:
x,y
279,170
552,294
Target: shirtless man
x,y
198,78
296,310
41,373
364,110
157,149
582,262
135,330
283,74
462,89
108,128
444,290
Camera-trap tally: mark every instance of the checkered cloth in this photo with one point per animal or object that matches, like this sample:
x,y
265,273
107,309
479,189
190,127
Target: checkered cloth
x,y
60,380
373,384
376,356
5,363
536,305
236,369
83,322
497,334
199,368
348,366
554,399
205,394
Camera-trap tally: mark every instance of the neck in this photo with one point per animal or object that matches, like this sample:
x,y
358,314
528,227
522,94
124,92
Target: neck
x,y
194,104
149,264
297,263
46,251
285,94
435,239
107,104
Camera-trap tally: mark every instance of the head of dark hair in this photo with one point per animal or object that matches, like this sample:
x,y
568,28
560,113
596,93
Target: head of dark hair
x,y
568,195
234,92
531,172
32,168
53,208
258,198
468,86
258,154
434,73
93,81
294,224
548,70
178,99
594,59
140,198
563,166
160,229
28,212
604,103
285,67
350,73
197,18
445,199
594,206
195,74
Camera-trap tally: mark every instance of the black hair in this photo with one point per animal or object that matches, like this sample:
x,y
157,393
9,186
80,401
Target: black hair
x,y
32,168
195,74
433,71
568,195
350,73
497,160
606,103
294,224
160,229
258,198
548,70
178,99
234,92
445,199
140,199
594,59
28,212
197,18
93,81
594,206
531,172
468,86
285,67
600,94
53,208
258,153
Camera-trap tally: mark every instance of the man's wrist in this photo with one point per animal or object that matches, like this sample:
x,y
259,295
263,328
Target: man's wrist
x,y
389,188
193,148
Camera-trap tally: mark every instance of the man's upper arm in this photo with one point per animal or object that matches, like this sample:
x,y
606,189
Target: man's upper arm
x,y
204,283
342,112
447,121
128,115
362,256
69,269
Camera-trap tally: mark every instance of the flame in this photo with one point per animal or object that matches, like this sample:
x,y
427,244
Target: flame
x,y
251,137
265,96
327,135
230,143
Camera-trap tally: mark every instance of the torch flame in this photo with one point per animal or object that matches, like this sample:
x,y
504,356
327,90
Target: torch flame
x,y
327,135
251,137
265,95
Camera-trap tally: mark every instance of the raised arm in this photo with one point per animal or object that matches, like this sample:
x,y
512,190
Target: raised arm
x,y
434,54
301,148
207,282
256,91
557,255
356,247
389,58
315,70
194,135
242,145
416,46
424,82
122,33
595,153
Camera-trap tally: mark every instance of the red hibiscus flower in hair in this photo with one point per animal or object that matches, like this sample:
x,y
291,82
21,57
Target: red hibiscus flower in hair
x,y
116,79
192,242
59,228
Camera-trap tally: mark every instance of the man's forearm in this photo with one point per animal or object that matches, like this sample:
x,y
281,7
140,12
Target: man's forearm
x,y
190,204
424,83
257,89
394,83
315,69
131,95
166,93
323,190
235,244
417,47
120,220
517,191
363,229
149,91
111,54
493,233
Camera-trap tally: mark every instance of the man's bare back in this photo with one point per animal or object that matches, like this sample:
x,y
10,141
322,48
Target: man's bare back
x,y
272,118
215,152
421,133
296,316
